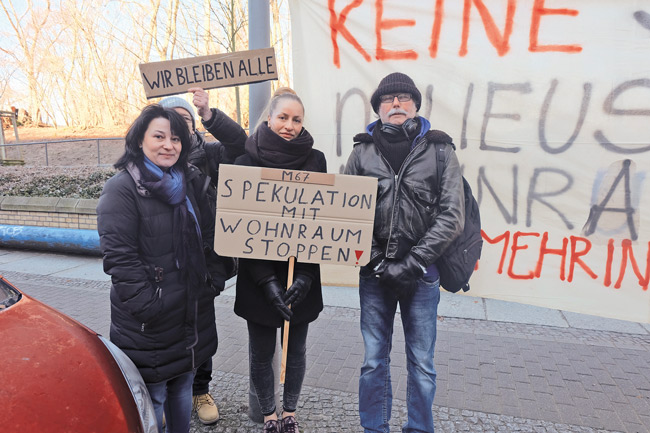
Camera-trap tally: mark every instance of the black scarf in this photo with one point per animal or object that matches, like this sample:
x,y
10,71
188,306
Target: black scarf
x,y
268,149
186,234
394,142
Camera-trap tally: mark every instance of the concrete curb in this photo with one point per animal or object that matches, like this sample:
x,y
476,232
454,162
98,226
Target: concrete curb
x,y
48,204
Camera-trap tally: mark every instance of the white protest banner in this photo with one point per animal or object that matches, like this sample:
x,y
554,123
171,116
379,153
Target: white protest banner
x,y
273,214
548,103
219,70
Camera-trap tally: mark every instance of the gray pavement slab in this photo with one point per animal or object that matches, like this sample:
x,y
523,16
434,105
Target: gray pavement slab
x,y
457,305
85,271
585,321
8,256
504,311
72,266
338,296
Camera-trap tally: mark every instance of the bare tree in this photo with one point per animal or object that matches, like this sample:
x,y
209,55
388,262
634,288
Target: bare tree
x,y
280,33
5,77
232,19
79,60
28,30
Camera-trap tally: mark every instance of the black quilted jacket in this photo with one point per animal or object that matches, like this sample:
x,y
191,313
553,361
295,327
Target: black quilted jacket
x,y
164,326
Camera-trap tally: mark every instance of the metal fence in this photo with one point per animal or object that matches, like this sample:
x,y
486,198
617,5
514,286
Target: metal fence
x,y
64,152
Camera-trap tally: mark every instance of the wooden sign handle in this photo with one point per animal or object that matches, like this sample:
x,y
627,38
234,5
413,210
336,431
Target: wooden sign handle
x,y
285,330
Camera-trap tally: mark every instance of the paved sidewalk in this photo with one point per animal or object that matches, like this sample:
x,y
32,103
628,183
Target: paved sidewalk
x,y
502,367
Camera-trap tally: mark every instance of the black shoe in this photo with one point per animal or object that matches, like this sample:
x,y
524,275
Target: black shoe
x,y
272,426
289,425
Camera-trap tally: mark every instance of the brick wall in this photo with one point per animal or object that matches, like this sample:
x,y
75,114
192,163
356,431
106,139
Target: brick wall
x,y
67,213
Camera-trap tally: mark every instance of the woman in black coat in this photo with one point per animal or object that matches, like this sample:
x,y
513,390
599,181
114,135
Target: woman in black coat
x,y
261,299
152,232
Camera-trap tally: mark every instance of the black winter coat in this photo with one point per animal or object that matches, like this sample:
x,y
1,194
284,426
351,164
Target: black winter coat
x,y
164,326
207,156
407,219
250,302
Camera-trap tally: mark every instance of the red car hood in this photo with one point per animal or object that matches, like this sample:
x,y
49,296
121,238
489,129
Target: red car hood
x,y
57,376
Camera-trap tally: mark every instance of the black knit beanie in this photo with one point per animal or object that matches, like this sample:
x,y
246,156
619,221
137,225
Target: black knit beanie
x,y
396,83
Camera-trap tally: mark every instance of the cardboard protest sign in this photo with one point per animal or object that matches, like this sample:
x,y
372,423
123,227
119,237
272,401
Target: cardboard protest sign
x,y
273,214
219,70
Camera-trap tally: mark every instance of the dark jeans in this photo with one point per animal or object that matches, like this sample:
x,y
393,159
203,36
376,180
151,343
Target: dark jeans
x,y
202,378
261,347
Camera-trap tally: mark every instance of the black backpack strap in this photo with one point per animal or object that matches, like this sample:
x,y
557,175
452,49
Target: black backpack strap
x,y
440,164
440,139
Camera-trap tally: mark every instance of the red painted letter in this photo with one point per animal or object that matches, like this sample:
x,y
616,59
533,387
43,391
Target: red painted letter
x,y
380,25
627,249
543,250
575,257
516,248
500,42
337,25
610,259
538,11
506,236
437,26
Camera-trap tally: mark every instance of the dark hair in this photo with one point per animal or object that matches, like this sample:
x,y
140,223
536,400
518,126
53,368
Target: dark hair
x,y
135,135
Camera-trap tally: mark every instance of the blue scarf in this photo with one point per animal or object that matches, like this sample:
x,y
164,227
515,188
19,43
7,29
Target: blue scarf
x,y
169,186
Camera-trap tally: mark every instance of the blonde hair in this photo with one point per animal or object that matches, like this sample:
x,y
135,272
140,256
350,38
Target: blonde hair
x,y
279,94
283,91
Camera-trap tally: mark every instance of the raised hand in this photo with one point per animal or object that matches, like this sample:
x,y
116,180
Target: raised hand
x,y
201,101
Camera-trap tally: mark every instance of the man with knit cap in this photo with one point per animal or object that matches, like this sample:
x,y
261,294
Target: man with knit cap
x,y
415,220
207,156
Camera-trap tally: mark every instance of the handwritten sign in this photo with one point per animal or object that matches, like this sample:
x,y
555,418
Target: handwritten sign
x,y
219,70
273,214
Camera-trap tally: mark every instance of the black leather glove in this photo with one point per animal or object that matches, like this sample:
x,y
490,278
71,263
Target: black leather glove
x,y
298,290
401,276
274,292
217,284
372,268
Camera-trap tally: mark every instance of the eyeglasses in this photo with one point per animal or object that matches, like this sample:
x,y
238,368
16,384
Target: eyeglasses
x,y
401,97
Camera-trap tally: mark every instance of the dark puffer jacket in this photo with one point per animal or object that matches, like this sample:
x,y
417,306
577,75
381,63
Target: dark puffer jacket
x,y
208,155
164,326
407,218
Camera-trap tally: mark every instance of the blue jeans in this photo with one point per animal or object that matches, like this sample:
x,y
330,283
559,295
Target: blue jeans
x,y
175,396
419,317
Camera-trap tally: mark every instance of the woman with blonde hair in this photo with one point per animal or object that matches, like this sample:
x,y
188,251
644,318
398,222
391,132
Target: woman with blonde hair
x,y
279,142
